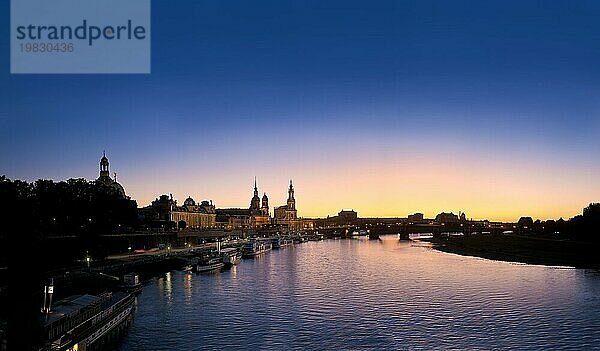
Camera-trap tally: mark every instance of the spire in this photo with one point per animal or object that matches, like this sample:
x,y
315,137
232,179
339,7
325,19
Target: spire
x,y
291,201
255,202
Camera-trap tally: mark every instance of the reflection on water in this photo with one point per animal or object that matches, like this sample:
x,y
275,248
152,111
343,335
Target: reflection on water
x,y
371,295
187,286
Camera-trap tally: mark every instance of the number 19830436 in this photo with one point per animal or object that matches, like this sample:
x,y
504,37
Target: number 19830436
x,y
46,47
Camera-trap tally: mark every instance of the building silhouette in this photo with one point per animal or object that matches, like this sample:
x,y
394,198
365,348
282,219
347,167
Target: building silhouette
x,y
255,216
106,181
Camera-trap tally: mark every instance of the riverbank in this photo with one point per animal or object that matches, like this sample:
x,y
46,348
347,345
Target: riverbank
x,y
513,248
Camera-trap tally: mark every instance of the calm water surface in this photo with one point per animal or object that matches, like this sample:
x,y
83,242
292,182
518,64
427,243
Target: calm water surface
x,y
369,295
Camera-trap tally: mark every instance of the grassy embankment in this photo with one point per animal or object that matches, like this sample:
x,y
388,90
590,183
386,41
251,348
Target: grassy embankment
x,y
524,249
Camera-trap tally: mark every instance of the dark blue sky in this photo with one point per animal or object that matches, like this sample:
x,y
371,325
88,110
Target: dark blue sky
x,y
296,84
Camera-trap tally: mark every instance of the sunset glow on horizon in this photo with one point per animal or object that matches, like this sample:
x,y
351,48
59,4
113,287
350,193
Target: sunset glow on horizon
x,y
394,109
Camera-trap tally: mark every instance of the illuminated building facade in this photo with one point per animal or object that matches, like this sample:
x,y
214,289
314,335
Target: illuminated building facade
x,y
287,214
191,215
257,215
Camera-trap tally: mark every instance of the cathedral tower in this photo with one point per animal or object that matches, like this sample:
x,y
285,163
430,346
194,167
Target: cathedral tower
x,y
255,202
291,202
265,205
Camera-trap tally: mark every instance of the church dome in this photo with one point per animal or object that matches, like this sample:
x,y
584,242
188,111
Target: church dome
x,y
119,188
189,202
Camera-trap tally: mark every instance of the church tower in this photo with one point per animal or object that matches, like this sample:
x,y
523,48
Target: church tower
x,y
255,202
105,178
291,202
265,205
104,172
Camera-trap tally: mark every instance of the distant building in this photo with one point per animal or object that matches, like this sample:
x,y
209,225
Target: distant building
x,y
446,217
525,222
416,217
257,215
164,210
344,217
348,216
264,209
287,214
234,218
105,180
255,201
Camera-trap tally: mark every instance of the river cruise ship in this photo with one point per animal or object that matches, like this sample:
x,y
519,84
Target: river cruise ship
x,y
209,264
87,322
255,247
279,242
231,256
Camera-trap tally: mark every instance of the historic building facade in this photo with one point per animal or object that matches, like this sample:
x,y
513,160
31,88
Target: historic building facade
x,y
287,214
259,213
255,216
164,210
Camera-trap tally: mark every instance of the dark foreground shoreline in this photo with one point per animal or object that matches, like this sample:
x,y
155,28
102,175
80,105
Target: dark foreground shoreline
x,y
514,248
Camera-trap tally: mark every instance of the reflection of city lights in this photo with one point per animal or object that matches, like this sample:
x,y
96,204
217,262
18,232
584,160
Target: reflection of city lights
x,y
168,285
187,286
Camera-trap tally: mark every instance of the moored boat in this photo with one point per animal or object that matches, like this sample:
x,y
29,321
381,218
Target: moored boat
x,y
231,256
208,264
279,242
131,283
255,247
85,322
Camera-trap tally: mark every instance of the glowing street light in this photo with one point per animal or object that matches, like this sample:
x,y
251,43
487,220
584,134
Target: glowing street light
x,y
88,259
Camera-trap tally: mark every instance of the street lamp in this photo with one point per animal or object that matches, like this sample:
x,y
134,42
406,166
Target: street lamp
x,y
88,259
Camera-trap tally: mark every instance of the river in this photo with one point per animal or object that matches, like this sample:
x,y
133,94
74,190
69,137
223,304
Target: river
x,y
369,295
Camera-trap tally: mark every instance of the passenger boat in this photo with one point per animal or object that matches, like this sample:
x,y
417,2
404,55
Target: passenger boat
x,y
231,256
86,322
131,283
255,247
279,242
208,264
359,232
189,264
